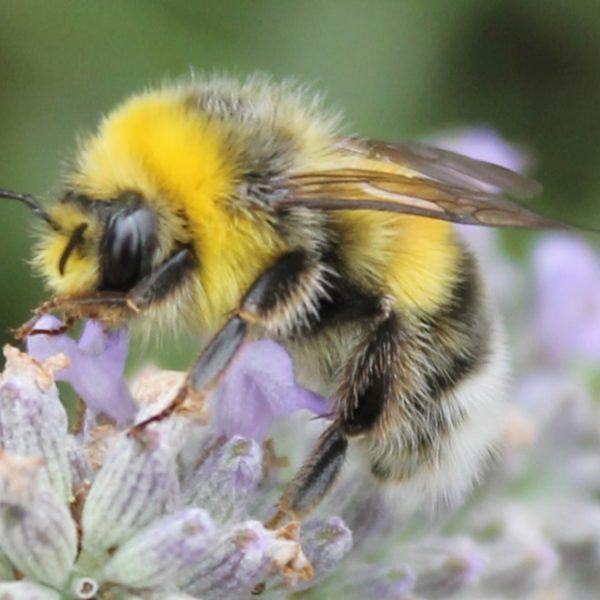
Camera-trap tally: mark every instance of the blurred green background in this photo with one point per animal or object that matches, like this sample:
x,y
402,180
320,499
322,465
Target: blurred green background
x,y
400,69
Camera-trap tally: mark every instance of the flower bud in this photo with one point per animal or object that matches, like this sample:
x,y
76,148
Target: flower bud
x,y
239,559
227,480
37,533
137,482
325,542
161,554
25,590
33,422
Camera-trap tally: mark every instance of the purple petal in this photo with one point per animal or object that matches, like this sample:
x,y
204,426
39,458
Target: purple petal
x,y
259,388
567,277
96,369
43,347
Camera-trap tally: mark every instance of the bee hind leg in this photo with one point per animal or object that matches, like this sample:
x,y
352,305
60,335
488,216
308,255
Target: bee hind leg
x,y
367,386
314,479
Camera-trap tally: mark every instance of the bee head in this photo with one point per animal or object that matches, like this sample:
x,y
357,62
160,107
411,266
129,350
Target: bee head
x,y
92,245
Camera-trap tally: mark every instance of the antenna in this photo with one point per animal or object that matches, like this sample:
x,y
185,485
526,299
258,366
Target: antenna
x,y
33,204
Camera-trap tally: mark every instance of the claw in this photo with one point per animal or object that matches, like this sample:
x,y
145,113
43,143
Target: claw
x,y
279,519
138,429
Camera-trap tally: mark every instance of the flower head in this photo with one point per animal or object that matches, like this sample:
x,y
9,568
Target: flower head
x,y
567,291
140,521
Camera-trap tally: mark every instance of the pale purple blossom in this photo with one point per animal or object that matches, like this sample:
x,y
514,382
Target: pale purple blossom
x,y
567,293
142,527
260,388
96,366
482,143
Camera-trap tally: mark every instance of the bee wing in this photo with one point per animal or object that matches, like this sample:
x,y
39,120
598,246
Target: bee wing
x,y
446,166
429,182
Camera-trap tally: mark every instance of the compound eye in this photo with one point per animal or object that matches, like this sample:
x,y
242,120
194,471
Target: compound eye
x,y
126,239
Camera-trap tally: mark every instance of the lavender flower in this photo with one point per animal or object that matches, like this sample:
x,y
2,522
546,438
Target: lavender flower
x,y
136,526
482,143
96,366
260,388
567,291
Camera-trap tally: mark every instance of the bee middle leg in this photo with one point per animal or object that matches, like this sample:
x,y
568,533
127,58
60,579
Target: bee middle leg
x,y
282,295
285,294
367,386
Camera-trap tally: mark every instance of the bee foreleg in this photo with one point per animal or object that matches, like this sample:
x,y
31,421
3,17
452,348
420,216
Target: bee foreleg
x,y
109,307
162,281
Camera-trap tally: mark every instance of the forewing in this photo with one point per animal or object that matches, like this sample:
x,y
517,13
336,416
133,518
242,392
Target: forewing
x,y
430,182
446,166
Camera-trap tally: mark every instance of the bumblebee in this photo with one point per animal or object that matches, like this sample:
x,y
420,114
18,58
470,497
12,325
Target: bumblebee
x,y
238,209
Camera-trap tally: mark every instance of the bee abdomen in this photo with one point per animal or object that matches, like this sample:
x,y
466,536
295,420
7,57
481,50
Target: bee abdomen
x,y
456,340
440,452
445,419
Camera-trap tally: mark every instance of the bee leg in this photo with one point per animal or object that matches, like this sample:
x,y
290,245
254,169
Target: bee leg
x,y
289,288
284,289
162,281
93,306
370,378
114,305
315,477
367,385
